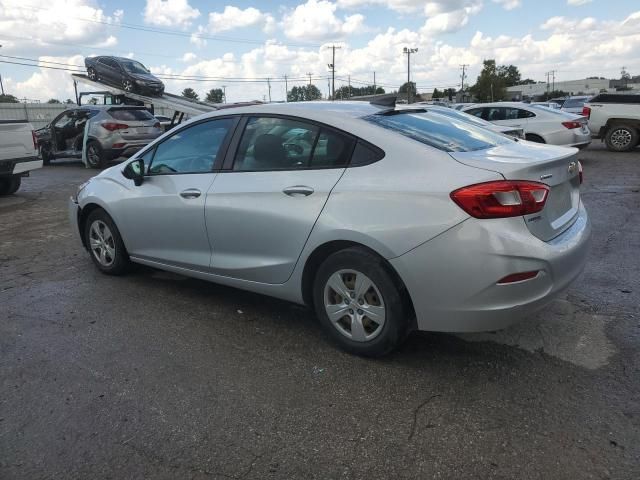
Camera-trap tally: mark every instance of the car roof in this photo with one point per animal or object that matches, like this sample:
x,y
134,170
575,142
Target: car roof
x,y
351,109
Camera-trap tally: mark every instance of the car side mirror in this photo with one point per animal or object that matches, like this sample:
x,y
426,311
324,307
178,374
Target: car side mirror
x,y
135,171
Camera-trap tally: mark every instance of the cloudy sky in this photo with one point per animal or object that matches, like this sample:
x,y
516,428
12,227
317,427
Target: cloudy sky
x,y
241,43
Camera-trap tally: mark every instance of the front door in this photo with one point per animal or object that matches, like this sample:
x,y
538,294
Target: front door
x,y
260,214
163,219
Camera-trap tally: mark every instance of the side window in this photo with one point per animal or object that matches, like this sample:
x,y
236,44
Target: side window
x,y
270,143
193,149
364,154
64,120
525,113
333,149
496,113
476,112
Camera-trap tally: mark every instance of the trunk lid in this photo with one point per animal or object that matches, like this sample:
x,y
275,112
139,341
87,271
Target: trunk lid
x,y
554,166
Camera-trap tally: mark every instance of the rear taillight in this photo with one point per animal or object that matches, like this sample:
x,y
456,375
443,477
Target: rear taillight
x,y
501,199
35,139
586,112
112,126
580,175
572,124
156,125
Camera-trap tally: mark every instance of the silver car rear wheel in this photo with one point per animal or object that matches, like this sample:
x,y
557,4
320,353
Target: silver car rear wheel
x,y
102,243
354,305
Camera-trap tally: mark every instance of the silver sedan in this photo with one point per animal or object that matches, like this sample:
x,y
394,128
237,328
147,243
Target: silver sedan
x,y
381,220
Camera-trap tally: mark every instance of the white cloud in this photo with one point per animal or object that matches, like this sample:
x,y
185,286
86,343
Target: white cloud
x,y
41,24
233,17
45,84
449,17
189,57
169,13
316,20
576,3
196,38
511,4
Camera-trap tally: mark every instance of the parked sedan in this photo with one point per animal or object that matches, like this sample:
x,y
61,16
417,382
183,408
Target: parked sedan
x,y
540,124
125,73
391,221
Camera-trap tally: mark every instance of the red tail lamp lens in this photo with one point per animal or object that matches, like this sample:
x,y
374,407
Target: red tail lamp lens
x,y
501,199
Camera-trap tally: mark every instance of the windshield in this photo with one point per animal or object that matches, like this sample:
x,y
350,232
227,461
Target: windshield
x,y
439,131
134,67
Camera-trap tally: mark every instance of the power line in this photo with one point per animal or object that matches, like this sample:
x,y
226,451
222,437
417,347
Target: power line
x,y
74,68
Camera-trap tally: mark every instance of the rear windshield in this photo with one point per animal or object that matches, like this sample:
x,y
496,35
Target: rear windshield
x,y
439,131
130,114
574,102
554,111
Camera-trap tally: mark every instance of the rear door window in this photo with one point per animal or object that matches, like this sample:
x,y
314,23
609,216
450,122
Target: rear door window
x,y
133,114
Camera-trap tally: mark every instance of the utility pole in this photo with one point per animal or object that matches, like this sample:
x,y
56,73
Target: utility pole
x,y
349,86
553,77
1,86
374,83
332,66
547,74
224,94
408,52
269,84
286,89
463,66
309,74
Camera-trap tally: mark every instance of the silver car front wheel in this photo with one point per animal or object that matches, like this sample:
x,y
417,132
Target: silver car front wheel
x,y
102,243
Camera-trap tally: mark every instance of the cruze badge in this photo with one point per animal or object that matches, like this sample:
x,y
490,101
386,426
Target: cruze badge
x,y
573,166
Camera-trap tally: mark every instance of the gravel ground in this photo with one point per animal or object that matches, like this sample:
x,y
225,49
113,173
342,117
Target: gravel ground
x,y
154,375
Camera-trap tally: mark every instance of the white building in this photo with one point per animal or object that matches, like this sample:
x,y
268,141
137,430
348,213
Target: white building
x,y
587,86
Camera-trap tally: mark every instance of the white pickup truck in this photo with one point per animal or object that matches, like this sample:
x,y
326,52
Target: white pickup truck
x,y
615,118
18,154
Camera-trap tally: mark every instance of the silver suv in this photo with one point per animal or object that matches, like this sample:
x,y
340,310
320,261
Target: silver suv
x,y
113,131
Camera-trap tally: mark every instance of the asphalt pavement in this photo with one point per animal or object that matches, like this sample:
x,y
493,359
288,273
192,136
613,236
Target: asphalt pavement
x,y
154,375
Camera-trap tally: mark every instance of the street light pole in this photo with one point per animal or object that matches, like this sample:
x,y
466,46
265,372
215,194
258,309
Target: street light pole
x,y
408,52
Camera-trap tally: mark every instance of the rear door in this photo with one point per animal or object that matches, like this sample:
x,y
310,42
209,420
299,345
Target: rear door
x,y
260,212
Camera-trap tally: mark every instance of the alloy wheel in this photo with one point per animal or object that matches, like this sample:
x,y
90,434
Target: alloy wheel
x,y
354,305
102,243
93,156
92,74
127,85
621,138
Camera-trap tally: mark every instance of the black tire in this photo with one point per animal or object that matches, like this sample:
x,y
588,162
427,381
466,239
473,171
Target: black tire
x,y
45,154
532,137
120,261
10,185
92,74
96,157
397,321
621,138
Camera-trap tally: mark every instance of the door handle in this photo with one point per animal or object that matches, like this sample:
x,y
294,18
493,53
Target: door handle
x,y
298,190
190,193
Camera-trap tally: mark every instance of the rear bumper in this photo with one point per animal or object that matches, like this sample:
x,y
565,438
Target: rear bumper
x,y
19,166
452,279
